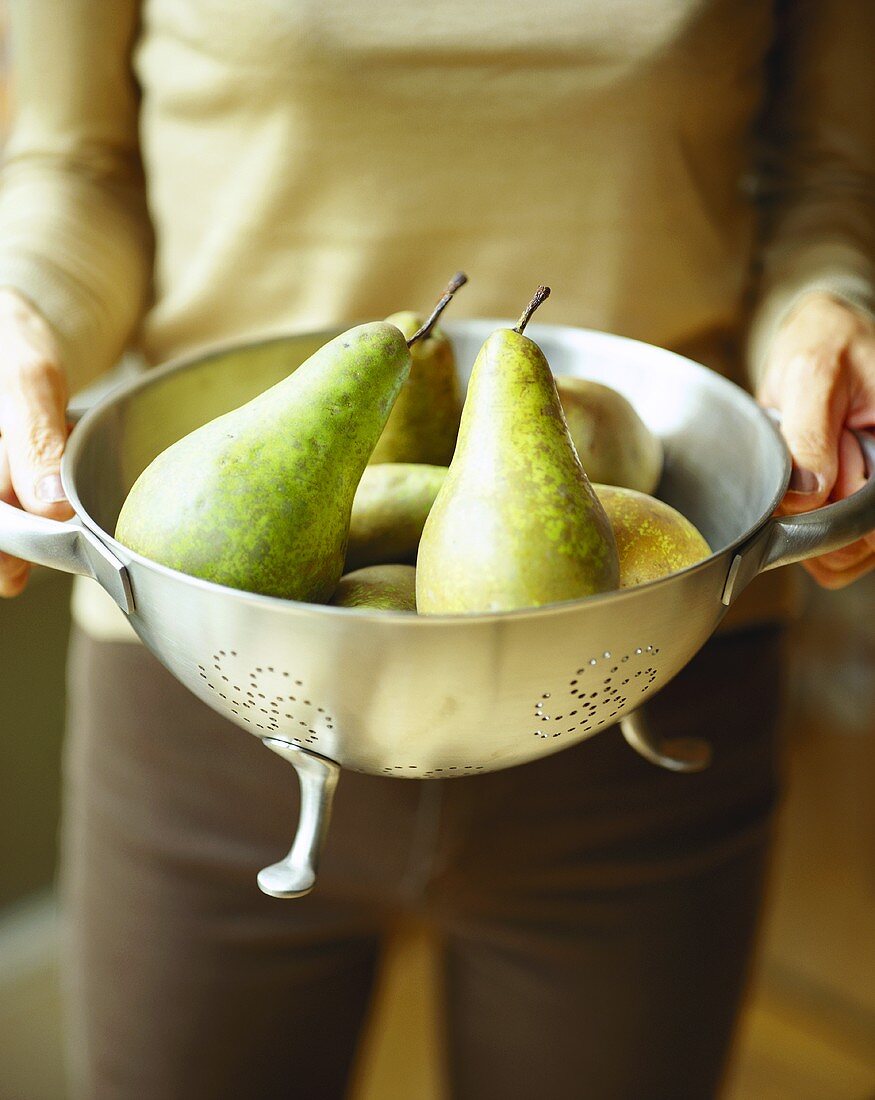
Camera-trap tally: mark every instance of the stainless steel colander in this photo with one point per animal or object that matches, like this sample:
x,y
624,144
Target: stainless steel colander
x,y
423,697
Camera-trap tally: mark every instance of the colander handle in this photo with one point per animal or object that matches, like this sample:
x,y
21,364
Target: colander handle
x,y
788,539
69,547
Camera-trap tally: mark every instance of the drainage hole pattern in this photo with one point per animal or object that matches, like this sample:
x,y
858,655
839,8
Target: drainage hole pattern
x,y
267,699
595,694
273,700
455,772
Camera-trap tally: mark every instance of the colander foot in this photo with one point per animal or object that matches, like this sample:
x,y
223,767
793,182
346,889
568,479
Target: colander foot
x,y
295,875
678,754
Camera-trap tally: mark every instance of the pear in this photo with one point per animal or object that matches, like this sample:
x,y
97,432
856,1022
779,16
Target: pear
x,y
260,498
389,512
516,523
424,423
614,444
653,539
379,587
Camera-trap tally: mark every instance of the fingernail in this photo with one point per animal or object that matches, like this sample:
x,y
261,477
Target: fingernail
x,y
803,481
50,490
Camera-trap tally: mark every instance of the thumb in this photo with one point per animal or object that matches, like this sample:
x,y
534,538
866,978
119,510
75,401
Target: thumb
x,y
34,427
813,402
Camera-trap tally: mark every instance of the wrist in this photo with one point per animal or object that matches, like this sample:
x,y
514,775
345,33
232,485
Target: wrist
x,y
830,305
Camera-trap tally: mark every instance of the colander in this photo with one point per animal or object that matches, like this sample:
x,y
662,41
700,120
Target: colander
x,y
412,697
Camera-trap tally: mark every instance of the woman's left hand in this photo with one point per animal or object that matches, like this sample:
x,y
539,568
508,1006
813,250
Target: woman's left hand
x,y
820,375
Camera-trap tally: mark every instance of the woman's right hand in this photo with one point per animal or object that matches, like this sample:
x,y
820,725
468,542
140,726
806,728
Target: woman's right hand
x,y
33,425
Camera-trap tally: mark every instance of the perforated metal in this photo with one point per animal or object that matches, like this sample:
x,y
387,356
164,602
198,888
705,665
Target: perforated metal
x,y
271,701
274,701
604,688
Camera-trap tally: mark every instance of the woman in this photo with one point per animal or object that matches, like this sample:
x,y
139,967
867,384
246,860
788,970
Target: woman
x,y
184,174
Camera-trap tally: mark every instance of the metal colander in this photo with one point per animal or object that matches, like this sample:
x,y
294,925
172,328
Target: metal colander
x,y
426,697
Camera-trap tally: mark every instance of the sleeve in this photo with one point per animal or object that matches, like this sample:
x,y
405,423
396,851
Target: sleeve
x,y
75,236
816,178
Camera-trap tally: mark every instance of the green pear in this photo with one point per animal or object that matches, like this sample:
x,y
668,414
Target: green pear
x,y
424,423
653,539
260,498
389,512
614,444
517,523
378,587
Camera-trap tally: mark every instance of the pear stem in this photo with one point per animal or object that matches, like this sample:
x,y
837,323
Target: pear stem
x,y
457,281
541,295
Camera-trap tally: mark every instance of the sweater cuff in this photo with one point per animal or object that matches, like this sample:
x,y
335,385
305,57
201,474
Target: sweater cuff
x,y
833,268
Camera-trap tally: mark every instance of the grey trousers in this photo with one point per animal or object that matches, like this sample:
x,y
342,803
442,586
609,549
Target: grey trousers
x,y
596,914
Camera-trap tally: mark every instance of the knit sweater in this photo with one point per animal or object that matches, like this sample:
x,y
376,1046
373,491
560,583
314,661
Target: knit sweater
x,y
680,171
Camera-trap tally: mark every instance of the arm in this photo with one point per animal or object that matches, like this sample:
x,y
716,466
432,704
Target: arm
x,y
813,333
75,241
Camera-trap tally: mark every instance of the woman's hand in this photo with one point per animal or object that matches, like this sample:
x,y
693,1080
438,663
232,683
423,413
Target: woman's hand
x,y
33,426
820,375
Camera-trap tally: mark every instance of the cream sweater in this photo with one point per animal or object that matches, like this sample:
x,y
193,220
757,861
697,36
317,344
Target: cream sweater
x,y
181,174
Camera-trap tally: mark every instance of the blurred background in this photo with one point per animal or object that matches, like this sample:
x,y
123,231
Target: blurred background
x,y
809,1029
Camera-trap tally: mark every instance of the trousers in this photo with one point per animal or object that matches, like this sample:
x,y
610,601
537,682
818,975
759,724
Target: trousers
x,y
595,914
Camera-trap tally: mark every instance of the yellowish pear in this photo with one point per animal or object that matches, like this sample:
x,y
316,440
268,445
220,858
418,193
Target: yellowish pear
x,y
389,512
653,539
516,523
424,421
378,587
614,444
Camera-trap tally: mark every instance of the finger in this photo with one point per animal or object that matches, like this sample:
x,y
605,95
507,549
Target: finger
x,y
852,467
862,413
847,557
13,571
34,427
813,402
833,579
13,576
851,477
